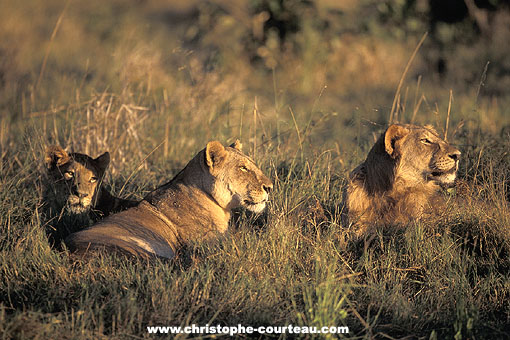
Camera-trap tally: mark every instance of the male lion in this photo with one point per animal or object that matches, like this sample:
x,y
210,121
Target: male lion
x,y
400,179
194,205
73,191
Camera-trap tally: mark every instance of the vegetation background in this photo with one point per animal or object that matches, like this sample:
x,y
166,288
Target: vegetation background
x,y
307,86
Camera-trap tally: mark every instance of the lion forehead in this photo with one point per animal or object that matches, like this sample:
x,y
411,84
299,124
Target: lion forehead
x,y
237,157
237,160
86,162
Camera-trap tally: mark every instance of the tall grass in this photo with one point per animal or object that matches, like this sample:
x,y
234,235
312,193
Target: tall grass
x,y
118,79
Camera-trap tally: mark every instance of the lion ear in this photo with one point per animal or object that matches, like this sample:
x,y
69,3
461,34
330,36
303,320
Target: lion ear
x,y
392,135
215,154
55,156
103,161
237,145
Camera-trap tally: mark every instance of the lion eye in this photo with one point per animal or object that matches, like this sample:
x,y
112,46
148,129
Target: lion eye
x,y
243,168
426,141
93,179
68,175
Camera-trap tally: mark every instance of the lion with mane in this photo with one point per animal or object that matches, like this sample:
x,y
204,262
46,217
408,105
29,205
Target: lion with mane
x,y
400,179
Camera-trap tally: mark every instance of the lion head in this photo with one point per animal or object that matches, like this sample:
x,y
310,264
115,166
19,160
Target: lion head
x,y
75,178
402,173
418,154
233,179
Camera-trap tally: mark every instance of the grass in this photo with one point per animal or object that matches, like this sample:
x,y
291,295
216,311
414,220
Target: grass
x,y
127,80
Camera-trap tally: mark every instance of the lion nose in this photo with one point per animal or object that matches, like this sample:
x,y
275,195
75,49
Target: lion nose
x,y
82,195
455,155
77,192
267,187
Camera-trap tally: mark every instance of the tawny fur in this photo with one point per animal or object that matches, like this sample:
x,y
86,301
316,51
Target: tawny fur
x,y
400,179
195,205
74,193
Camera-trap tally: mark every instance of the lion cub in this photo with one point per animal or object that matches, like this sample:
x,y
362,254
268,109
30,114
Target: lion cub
x,y
73,192
400,179
194,205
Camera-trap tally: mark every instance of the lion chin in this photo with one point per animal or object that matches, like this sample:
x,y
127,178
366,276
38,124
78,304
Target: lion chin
x,y
444,179
255,207
77,206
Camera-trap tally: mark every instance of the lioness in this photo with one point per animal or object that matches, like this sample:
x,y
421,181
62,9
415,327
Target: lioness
x,y
73,191
194,205
400,179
